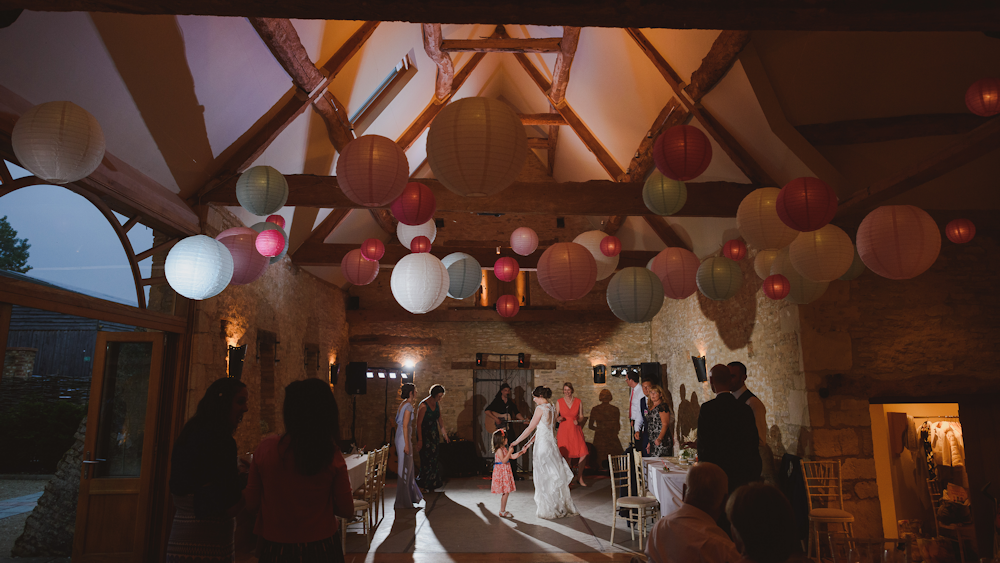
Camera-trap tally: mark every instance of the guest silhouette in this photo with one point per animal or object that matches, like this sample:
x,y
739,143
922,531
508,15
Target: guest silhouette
x,y
605,421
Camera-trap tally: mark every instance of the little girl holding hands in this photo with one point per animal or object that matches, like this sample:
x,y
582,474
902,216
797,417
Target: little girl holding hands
x,y
503,478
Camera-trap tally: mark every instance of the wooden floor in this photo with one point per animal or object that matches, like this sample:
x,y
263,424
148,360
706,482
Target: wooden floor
x,y
491,557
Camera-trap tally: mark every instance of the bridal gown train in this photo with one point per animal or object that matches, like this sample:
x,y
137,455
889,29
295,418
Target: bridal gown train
x,y
551,474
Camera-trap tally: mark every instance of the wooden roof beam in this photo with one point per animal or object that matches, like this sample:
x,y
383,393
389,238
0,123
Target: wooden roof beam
x,y
665,232
880,129
542,118
502,45
560,72
323,230
283,41
720,58
445,68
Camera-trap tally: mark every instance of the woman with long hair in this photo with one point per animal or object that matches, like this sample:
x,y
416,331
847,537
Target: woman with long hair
x,y
430,432
299,480
661,443
205,478
407,491
551,475
572,444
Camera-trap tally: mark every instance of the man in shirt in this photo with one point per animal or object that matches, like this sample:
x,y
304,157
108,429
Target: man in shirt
x,y
727,432
635,410
690,534
746,396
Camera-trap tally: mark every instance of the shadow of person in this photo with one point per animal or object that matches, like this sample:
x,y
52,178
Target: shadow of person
x,y
605,421
466,417
687,416
735,317
402,534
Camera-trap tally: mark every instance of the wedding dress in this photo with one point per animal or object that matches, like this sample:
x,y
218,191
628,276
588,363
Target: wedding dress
x,y
551,474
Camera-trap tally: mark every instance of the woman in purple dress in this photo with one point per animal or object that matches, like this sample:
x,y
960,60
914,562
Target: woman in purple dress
x,y
407,491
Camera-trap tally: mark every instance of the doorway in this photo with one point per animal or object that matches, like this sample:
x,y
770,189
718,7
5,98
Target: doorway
x,y
485,385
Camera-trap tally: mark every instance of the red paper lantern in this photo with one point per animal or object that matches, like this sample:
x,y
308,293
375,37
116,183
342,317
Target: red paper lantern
x,y
682,152
567,271
960,231
806,204
420,244
415,206
270,243
611,246
983,97
735,250
508,306
357,269
506,269
276,219
777,286
677,269
372,249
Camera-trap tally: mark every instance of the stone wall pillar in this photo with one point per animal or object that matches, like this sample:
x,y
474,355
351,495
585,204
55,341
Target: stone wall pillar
x,y
19,362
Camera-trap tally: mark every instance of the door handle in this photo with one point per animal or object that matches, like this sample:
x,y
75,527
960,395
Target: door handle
x,y
94,461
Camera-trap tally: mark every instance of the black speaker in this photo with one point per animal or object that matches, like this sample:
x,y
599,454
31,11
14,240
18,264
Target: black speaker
x,y
353,303
650,371
357,378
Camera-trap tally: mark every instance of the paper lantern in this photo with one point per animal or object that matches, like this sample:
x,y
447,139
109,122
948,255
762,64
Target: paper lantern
x,y
357,269
762,262
270,243
822,255
262,190
649,265
662,195
420,244
898,242
682,152
60,142
269,226
506,269
776,286
419,282
372,171
800,290
523,241
983,97
248,264
591,240
198,267
567,271
611,246
734,250
719,278
677,269
635,295
960,231
507,306
406,233
758,221
465,275
277,220
857,268
415,205
372,249
476,146
806,204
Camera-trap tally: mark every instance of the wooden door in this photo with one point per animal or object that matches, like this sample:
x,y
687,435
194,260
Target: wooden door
x,y
980,420
116,473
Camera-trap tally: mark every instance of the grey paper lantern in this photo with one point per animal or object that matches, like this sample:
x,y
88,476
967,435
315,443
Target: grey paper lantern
x,y
663,195
635,295
465,275
262,190
719,278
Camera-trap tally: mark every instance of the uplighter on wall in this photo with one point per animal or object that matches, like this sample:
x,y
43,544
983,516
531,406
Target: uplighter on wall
x,y
699,367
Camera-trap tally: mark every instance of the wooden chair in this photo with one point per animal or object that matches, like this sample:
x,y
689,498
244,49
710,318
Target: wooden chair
x,y
826,500
869,550
957,533
383,466
644,506
363,506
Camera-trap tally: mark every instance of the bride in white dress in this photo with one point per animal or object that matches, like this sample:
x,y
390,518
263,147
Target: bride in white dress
x,y
551,474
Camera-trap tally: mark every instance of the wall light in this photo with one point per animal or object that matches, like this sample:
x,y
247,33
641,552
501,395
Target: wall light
x,y
600,372
381,374
699,367
236,355
371,375
392,375
334,372
409,364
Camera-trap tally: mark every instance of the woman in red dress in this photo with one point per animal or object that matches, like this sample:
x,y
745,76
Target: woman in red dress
x,y
570,436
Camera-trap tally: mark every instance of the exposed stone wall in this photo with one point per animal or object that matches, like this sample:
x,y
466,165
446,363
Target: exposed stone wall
x,y
44,388
19,362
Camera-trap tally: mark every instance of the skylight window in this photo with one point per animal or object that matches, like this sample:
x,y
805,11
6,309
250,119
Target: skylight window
x,y
383,95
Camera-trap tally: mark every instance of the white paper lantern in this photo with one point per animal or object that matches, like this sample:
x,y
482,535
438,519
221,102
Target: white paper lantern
x,y
649,265
857,268
60,142
198,267
802,290
419,282
465,275
524,241
762,263
662,195
268,225
758,221
719,278
567,271
406,233
372,171
822,255
591,240
635,295
476,146
262,190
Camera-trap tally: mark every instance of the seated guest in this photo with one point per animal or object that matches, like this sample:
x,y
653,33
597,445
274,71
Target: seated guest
x,y
763,525
727,432
690,534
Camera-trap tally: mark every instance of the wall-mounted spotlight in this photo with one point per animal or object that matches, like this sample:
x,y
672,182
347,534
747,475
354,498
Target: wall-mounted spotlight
x,y
699,367
236,355
600,372
334,372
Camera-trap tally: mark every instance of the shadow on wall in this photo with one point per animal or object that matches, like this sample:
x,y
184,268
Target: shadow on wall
x,y
802,446
734,318
467,415
570,340
605,421
687,416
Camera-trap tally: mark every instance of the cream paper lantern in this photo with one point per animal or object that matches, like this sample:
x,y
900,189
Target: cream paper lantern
x,y
198,267
719,278
524,241
269,225
802,290
262,190
476,146
758,221
419,282
591,240
372,171
60,142
762,263
406,233
635,295
567,271
662,195
857,268
465,275
822,255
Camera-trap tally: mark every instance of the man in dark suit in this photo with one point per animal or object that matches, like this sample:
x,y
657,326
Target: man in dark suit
x,y
727,432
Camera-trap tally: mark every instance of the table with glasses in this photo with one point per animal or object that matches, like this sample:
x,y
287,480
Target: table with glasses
x,y
665,478
356,466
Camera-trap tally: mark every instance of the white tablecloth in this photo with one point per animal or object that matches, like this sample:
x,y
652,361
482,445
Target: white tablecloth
x,y
356,465
665,480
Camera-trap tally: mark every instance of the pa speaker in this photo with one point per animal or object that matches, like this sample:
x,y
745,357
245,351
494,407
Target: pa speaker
x,y
357,379
650,371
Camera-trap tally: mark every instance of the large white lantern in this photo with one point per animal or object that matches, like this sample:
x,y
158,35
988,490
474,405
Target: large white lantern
x,y
262,190
822,255
591,240
406,233
635,295
465,274
802,290
758,221
198,267
268,226
476,146
419,282
719,278
60,142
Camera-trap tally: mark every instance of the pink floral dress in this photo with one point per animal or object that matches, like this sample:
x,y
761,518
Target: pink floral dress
x,y
503,479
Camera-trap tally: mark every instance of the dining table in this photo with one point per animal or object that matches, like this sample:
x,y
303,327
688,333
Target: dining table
x,y
665,478
357,464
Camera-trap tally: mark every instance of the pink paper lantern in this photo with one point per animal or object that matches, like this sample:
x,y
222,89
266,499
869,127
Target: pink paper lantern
x,y
734,250
270,243
415,206
960,231
506,269
567,271
806,204
248,263
357,269
776,286
508,306
523,241
372,171
611,246
898,242
420,244
682,152
372,249
983,97
677,269
277,220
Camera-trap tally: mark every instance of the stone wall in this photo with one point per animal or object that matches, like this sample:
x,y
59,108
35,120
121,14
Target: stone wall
x,y
19,362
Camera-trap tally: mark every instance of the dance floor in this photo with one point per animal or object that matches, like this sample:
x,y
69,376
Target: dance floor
x,y
459,523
